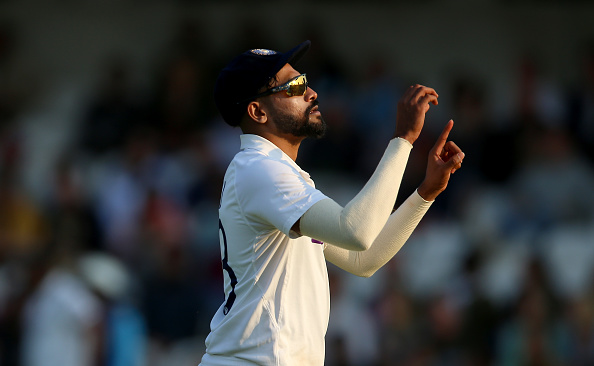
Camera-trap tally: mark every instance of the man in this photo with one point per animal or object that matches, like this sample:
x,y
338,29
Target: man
x,y
277,230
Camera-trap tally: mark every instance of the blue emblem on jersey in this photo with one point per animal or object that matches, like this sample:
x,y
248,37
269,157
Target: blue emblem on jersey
x,y
263,52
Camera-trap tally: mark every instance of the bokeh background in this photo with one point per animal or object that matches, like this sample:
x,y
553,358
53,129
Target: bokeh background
x,y
112,155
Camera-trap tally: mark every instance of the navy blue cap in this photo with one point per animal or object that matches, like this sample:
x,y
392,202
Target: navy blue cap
x,y
246,74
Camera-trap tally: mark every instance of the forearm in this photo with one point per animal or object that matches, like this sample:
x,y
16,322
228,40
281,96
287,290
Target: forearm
x,y
357,225
391,238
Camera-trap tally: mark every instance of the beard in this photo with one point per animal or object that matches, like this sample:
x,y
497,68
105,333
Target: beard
x,y
300,125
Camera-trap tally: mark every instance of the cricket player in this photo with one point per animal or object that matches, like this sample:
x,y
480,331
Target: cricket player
x,y
277,230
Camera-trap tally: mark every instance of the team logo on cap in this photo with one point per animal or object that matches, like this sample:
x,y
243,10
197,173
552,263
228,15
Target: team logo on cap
x,y
263,52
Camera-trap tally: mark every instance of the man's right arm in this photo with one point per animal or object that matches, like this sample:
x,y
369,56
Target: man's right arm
x,y
444,159
356,226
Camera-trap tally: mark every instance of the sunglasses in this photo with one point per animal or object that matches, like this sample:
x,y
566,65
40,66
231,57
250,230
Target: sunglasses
x,y
294,87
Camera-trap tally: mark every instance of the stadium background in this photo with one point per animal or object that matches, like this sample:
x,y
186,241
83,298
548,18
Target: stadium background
x,y
111,158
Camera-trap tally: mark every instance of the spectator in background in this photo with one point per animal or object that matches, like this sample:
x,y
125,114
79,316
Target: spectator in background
x,y
358,340
578,348
120,194
540,98
479,316
400,333
554,185
171,302
23,228
123,341
62,318
13,294
111,114
581,103
374,110
68,209
533,334
177,111
342,147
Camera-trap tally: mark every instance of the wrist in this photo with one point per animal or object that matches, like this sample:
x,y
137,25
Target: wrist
x,y
408,135
408,138
426,193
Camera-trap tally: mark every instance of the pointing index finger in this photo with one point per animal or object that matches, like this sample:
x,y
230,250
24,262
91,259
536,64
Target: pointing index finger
x,y
443,137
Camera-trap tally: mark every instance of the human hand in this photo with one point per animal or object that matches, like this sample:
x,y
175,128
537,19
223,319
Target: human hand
x,y
410,115
444,159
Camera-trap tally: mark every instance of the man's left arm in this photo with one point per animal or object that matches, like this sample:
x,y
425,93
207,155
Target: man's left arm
x,y
391,238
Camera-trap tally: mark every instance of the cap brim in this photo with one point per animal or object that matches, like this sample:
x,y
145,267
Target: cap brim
x,y
298,52
291,57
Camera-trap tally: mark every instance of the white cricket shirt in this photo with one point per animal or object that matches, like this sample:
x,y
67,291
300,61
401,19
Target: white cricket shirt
x,y
277,299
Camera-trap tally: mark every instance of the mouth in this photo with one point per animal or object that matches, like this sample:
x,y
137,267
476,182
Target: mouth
x,y
314,110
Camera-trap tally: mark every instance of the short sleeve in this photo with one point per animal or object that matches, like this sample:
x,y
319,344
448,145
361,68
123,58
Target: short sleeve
x,y
276,193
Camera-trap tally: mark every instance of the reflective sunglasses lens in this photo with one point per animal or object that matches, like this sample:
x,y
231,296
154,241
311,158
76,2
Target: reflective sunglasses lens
x,y
297,86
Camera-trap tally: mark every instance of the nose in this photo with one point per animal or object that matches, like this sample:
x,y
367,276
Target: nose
x,y
310,95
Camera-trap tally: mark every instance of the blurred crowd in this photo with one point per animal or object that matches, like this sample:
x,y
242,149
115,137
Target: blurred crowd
x,y
118,262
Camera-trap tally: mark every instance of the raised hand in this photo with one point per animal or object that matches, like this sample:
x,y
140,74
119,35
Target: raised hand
x,y
412,107
444,159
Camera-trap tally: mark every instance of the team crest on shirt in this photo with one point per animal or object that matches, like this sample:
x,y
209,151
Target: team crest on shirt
x,y
263,52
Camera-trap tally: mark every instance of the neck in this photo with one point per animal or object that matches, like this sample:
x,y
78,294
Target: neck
x,y
289,144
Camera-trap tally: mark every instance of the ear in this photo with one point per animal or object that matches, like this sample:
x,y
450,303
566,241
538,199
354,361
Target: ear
x,y
256,112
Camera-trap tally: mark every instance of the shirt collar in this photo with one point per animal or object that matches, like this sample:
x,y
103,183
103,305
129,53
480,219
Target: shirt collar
x,y
256,142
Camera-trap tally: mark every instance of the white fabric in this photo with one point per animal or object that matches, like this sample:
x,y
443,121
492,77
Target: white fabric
x,y
280,313
58,322
392,237
356,226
